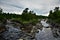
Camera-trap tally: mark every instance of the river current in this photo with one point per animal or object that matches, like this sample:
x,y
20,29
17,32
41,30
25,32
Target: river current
x,y
45,33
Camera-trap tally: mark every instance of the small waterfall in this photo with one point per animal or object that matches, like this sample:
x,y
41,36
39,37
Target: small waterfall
x,y
43,22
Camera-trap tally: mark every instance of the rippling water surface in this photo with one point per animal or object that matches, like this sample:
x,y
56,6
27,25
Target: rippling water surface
x,y
45,34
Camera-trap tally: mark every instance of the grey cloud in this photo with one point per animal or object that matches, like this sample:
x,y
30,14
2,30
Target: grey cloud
x,y
41,7
11,4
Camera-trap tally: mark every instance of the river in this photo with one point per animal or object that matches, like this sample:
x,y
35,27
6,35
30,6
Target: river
x,y
45,33
13,33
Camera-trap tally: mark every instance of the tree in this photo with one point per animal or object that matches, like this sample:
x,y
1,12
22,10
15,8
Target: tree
x,y
55,15
0,10
50,14
25,10
56,9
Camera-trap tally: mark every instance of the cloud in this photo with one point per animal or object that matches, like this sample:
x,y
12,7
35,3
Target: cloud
x,y
41,7
11,4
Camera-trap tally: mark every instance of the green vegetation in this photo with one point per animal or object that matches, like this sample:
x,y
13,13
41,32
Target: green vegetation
x,y
55,16
26,17
30,16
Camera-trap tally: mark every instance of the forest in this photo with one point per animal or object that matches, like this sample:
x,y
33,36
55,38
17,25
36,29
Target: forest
x,y
54,15
30,16
25,17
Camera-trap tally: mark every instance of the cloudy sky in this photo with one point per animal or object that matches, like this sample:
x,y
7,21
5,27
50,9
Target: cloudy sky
x,y
40,7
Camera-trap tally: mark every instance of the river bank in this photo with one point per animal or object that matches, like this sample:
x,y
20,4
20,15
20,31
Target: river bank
x,y
55,27
15,30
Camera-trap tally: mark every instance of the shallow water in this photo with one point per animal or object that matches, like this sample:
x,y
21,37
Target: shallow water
x,y
45,34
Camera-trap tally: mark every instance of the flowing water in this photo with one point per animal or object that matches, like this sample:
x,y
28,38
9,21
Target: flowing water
x,y
14,33
46,33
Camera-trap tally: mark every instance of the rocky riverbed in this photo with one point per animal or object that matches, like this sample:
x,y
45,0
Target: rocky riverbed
x,y
55,27
48,32
15,30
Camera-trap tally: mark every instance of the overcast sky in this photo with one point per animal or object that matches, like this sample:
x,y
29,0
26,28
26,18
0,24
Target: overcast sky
x,y
40,7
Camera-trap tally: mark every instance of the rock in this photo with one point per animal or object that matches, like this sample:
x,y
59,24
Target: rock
x,y
56,32
14,32
39,26
20,39
2,28
55,27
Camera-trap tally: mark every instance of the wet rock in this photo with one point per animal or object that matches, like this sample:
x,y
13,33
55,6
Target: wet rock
x,y
27,28
56,32
21,39
39,26
55,27
2,28
14,32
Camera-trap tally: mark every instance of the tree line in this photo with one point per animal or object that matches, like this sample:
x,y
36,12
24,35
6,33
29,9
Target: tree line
x,y
25,16
31,16
55,15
